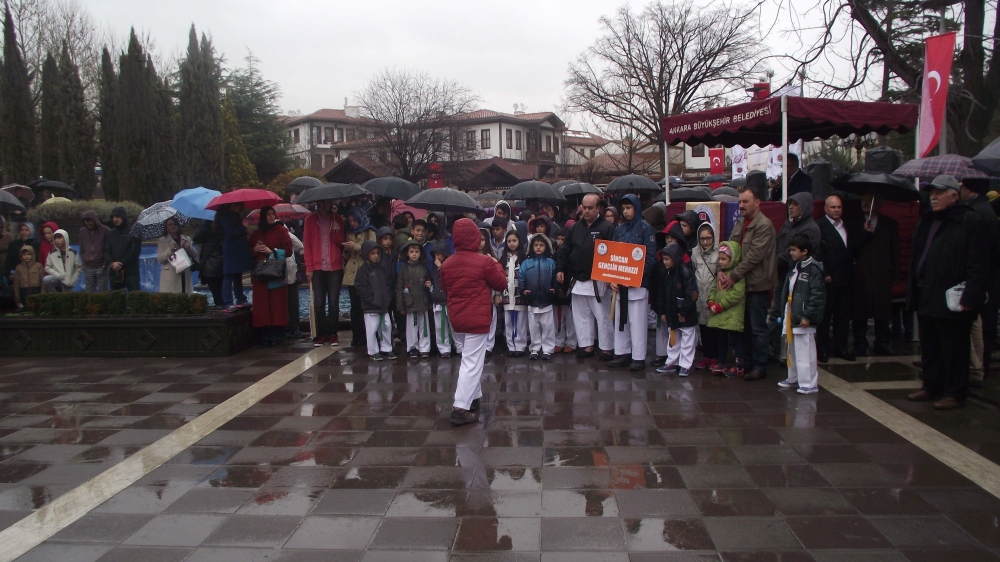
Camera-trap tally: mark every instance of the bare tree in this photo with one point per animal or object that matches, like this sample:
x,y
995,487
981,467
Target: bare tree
x,y
412,116
667,59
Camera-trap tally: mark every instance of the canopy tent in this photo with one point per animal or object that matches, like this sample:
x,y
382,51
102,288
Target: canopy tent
x,y
787,119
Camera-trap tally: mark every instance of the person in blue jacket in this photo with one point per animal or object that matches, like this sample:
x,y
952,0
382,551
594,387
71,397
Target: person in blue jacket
x,y
235,256
538,278
633,302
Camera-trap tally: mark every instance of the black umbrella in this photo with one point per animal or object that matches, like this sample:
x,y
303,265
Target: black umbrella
x,y
579,189
536,190
684,194
302,183
892,188
331,191
561,184
727,191
674,180
446,200
8,202
392,187
738,182
988,160
632,183
51,185
715,178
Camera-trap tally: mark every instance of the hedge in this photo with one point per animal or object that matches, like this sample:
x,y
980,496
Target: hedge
x,y
115,303
72,211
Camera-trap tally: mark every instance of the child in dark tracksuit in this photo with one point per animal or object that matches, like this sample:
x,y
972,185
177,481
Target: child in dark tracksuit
x,y
413,283
375,292
800,305
538,278
440,251
677,293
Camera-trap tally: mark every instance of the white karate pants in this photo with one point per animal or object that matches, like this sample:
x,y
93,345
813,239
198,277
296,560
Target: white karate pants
x,y
633,338
662,338
516,329
803,361
565,329
442,331
593,321
470,374
541,326
378,330
418,332
685,345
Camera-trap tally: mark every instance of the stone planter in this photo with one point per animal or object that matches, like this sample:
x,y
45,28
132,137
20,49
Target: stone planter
x,y
210,335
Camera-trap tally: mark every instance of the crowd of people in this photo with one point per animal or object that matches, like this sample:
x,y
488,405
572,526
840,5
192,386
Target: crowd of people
x,y
451,285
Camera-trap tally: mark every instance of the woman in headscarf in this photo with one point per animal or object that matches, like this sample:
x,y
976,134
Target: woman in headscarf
x,y
171,242
270,299
611,215
359,230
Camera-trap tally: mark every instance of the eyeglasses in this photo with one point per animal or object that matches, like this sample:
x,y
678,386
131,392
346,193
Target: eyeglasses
x,y
706,238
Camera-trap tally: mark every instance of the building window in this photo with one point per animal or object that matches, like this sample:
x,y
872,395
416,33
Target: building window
x,y
295,135
548,143
510,139
340,134
484,138
470,140
351,134
592,152
555,144
698,151
327,135
532,141
517,140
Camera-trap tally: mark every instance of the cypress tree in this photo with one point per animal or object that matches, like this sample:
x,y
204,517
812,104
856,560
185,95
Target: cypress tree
x,y
78,150
200,137
239,170
51,128
108,99
19,156
137,137
264,133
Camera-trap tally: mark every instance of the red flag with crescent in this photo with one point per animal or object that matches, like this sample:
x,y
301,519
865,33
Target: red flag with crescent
x,y
939,51
717,157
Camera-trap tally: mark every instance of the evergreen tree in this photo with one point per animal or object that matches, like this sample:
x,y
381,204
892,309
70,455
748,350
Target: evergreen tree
x,y
201,145
77,136
239,170
108,99
19,155
264,134
51,128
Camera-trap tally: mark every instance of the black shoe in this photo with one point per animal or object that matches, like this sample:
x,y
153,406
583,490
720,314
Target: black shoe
x,y
534,356
518,354
414,354
463,417
883,351
822,357
620,361
607,356
546,357
659,361
973,383
637,366
755,375
582,353
475,406
847,356
861,352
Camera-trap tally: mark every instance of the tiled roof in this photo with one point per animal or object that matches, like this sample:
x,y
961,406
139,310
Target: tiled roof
x,y
485,114
324,115
583,138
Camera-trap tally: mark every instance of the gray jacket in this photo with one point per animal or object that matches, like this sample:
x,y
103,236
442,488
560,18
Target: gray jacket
x,y
805,225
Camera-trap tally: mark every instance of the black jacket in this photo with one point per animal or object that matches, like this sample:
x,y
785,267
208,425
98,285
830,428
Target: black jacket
x,y
676,291
809,297
838,258
121,246
576,256
991,231
210,237
955,255
373,284
799,182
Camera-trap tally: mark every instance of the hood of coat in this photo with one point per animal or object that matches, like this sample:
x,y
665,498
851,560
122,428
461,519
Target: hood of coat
x,y
384,231
633,199
544,219
734,252
465,236
691,217
367,246
50,224
29,248
65,237
705,226
540,238
804,200
441,247
92,215
506,206
120,212
675,251
674,229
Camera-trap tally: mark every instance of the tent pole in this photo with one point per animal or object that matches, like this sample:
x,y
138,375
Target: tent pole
x,y
784,149
666,173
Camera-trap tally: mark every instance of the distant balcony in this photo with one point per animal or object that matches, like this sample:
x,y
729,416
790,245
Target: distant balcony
x,y
540,157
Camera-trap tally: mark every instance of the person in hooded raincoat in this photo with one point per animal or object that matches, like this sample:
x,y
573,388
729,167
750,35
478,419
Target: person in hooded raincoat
x,y
359,231
122,251
630,324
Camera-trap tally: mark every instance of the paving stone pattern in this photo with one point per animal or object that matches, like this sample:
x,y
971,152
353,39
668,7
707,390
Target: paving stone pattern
x,y
355,460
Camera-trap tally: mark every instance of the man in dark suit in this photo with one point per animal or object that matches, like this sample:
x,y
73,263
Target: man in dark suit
x,y
836,243
876,268
798,181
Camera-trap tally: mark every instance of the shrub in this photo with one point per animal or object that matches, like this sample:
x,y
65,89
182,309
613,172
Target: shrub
x,y
73,211
115,303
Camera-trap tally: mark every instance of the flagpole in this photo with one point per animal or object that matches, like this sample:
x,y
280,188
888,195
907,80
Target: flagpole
x,y
784,149
943,139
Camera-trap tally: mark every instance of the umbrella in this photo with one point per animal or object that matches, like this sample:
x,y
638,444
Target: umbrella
x,y
632,183
715,178
536,190
56,200
731,191
51,185
683,194
988,160
305,182
331,191
249,198
393,188
444,199
149,224
725,198
889,186
9,201
738,182
950,164
580,189
563,183
22,192
674,180
284,211
192,202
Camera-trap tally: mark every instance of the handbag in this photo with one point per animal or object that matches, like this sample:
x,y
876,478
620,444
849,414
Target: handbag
x,y
271,269
180,261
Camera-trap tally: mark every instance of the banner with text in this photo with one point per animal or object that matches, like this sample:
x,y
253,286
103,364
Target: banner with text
x,y
618,262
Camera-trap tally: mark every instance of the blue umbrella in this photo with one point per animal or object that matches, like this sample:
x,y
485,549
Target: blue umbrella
x,y
191,202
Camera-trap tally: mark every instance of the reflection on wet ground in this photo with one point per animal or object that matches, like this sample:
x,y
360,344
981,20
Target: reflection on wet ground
x,y
356,459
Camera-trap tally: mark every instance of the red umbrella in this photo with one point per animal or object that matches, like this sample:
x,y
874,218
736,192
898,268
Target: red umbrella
x,y
285,211
249,198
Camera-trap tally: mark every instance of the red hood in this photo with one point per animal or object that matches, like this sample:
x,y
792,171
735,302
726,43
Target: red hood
x,y
465,235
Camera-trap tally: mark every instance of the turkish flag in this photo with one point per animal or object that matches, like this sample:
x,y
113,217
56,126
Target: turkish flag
x,y
939,51
717,157
435,178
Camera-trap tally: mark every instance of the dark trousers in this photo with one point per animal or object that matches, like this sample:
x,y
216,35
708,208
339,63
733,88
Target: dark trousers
x,y
725,338
989,314
128,282
944,346
232,290
755,338
271,334
293,308
326,300
837,316
860,328
709,342
357,318
215,286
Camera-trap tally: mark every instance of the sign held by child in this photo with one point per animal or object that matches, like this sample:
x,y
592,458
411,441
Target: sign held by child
x,y
618,262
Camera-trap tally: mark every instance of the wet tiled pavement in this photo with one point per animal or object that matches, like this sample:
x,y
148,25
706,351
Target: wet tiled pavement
x,y
355,460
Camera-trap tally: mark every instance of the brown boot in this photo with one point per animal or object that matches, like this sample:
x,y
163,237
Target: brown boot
x,y
921,396
755,375
948,403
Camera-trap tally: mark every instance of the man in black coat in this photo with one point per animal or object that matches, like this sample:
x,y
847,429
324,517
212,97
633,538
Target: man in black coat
x,y
836,242
798,181
876,268
591,299
947,251
121,251
984,329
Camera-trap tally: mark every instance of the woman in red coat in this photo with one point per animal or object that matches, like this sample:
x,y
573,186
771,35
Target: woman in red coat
x,y
270,299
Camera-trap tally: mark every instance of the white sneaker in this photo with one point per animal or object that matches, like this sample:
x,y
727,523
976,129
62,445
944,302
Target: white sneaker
x,y
787,384
808,390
